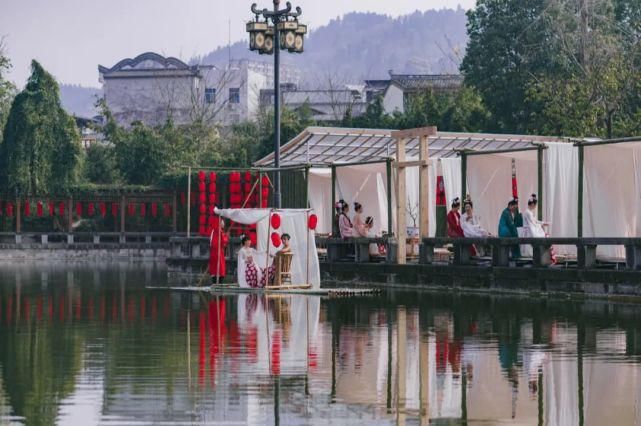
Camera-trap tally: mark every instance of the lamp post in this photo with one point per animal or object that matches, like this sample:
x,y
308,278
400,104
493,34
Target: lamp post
x,y
278,29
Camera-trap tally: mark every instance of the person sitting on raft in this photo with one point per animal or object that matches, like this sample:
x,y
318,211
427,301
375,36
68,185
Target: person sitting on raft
x,y
270,273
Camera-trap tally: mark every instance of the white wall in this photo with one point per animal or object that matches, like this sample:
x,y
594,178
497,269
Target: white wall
x,y
393,100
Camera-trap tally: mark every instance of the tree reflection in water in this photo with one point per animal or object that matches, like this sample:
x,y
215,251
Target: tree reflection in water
x,y
88,344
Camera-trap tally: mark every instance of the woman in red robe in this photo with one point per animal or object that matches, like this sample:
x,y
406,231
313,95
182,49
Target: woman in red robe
x,y
217,243
454,229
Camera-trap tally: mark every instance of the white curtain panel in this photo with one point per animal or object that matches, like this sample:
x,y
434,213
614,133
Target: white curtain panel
x,y
320,198
451,168
489,183
305,265
560,192
612,194
366,184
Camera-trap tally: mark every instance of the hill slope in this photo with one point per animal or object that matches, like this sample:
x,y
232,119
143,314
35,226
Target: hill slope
x,y
367,45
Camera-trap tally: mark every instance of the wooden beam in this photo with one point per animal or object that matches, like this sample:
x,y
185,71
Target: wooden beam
x,y
423,191
388,171
580,195
18,214
414,133
401,200
417,163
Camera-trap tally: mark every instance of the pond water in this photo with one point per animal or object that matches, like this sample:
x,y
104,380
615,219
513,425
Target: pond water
x,y
87,344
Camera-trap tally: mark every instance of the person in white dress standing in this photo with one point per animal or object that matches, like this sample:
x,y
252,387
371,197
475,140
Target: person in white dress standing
x,y
531,225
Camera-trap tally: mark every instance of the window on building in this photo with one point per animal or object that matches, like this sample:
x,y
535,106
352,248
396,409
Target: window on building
x,y
234,96
210,95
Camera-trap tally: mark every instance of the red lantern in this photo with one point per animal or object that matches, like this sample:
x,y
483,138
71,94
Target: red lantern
x,y
39,209
131,209
167,209
201,176
183,198
52,208
212,188
202,219
234,177
79,209
91,210
234,188
192,198
114,209
154,209
265,193
103,209
312,222
264,203
202,198
61,208
10,209
201,186
252,238
201,230
275,221
235,200
143,209
27,208
276,239
265,182
202,209
212,198
212,177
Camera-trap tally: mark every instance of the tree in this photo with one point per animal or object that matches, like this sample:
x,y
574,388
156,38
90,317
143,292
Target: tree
x,y
40,151
141,154
100,164
7,89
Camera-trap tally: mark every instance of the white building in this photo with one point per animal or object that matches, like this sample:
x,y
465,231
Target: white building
x,y
151,88
399,88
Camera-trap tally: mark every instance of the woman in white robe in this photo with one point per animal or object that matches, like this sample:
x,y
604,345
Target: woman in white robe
x,y
532,227
369,226
249,274
469,222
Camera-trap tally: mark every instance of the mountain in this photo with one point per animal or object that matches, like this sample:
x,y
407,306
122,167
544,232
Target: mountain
x,y
78,100
368,45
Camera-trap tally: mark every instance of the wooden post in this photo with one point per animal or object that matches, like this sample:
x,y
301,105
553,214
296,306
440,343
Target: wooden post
x,y
174,216
188,201
463,176
335,230
424,384
122,214
307,187
424,194
18,216
539,157
580,195
401,199
390,231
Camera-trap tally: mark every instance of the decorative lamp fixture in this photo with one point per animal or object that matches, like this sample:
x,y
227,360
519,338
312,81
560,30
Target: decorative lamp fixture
x,y
257,32
299,41
287,31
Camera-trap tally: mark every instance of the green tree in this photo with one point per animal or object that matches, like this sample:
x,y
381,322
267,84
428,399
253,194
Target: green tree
x,y
7,89
141,155
100,164
40,151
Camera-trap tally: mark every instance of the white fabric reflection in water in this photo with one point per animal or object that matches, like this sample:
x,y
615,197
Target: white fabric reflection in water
x,y
305,265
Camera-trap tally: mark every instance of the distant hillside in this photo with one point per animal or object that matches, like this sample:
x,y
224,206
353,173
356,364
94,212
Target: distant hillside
x,y
78,100
368,45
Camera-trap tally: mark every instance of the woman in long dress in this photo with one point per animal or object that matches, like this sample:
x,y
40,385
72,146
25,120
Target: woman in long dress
x,y
531,225
218,241
360,229
373,247
470,224
344,224
248,272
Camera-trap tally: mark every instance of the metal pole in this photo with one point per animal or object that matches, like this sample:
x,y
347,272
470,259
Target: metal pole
x,y
389,196
580,197
539,157
463,175
335,230
188,202
277,199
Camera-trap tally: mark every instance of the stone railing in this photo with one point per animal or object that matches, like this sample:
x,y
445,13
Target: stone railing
x,y
62,239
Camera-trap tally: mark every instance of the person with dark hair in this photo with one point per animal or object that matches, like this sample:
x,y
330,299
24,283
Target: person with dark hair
x,y
470,222
270,272
344,223
532,226
338,209
369,226
454,229
247,268
507,225
360,230
218,241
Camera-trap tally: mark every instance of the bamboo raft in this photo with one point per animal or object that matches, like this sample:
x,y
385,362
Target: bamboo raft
x,y
293,289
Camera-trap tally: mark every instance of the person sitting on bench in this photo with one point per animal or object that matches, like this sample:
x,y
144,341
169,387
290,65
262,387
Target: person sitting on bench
x,y
279,257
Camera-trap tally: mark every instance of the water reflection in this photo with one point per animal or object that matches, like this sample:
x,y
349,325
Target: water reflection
x,y
88,345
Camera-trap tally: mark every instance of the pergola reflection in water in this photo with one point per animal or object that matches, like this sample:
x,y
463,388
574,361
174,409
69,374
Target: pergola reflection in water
x,y
124,353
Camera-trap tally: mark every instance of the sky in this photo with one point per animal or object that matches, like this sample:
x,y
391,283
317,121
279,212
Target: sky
x,y
70,38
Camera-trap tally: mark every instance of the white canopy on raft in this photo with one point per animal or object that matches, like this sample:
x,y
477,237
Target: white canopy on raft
x,y
305,265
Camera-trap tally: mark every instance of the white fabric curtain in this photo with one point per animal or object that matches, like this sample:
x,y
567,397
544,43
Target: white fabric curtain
x,y
412,180
489,179
560,192
366,184
451,169
320,198
305,265
612,194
